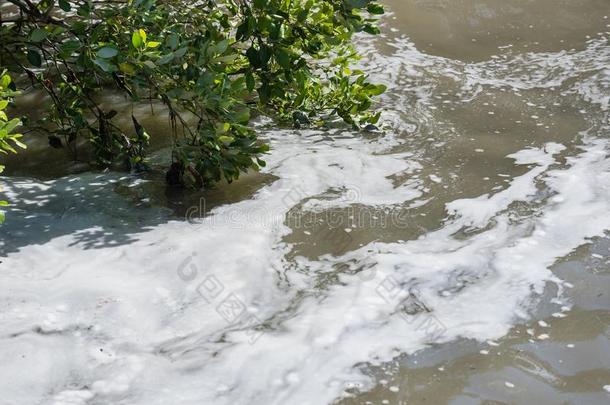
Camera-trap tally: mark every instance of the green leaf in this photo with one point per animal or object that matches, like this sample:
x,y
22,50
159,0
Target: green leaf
x,y
226,139
252,55
127,68
5,81
207,57
84,10
104,65
220,47
34,58
371,29
107,52
205,81
242,115
19,143
12,124
146,4
65,5
374,119
243,31
136,40
283,58
172,41
264,55
79,27
375,8
376,90
302,16
166,59
250,83
68,47
38,35
180,52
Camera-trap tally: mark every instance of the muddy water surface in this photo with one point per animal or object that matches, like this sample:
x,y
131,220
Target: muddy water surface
x,y
534,55
461,256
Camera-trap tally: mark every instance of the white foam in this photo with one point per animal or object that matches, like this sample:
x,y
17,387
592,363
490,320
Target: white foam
x,y
136,320
478,211
154,326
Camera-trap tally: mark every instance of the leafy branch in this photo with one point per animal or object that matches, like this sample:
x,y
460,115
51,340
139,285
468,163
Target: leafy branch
x,y
219,61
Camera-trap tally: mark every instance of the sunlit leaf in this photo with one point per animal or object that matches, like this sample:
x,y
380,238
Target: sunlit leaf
x,y
136,39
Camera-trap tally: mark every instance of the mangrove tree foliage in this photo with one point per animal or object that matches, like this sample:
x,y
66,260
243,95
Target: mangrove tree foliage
x,y
213,64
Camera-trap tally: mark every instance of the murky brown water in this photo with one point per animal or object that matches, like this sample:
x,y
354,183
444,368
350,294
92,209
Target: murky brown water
x,y
471,30
570,362
470,84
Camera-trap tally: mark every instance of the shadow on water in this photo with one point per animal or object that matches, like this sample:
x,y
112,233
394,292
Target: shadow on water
x,y
100,210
